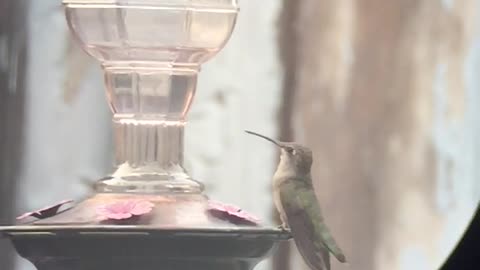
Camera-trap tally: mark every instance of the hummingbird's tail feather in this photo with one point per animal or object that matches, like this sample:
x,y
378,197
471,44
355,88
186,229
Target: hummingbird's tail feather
x,y
330,243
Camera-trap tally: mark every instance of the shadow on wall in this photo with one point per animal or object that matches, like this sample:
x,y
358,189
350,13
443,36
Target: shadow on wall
x,y
13,34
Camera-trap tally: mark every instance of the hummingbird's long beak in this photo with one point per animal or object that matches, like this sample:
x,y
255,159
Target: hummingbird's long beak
x,y
264,137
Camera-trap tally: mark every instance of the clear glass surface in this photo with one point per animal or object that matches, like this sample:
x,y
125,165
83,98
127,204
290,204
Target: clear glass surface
x,y
151,52
172,34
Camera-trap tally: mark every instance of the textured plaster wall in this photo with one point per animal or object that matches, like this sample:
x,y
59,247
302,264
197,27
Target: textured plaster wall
x,y
68,124
387,95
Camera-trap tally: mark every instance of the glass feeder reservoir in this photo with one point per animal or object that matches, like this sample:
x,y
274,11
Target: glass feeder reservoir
x,y
151,52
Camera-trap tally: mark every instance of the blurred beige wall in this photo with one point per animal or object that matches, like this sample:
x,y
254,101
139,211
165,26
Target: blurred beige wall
x,y
387,93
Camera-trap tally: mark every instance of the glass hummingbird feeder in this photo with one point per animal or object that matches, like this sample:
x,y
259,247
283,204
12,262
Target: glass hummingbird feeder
x,y
149,214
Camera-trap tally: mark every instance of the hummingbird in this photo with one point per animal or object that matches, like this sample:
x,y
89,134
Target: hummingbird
x,y
298,206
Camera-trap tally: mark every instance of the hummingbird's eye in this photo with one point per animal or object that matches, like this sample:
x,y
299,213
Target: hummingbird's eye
x,y
290,150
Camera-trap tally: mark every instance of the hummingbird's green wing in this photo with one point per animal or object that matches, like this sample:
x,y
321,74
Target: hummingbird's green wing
x,y
305,219
315,254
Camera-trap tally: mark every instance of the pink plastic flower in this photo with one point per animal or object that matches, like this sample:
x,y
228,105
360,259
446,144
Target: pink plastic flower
x,y
45,212
231,213
121,210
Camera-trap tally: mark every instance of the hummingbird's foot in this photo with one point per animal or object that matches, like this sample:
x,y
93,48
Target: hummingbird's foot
x,y
284,227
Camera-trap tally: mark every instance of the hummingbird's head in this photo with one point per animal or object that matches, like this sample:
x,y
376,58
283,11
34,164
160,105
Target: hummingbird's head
x,y
294,157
